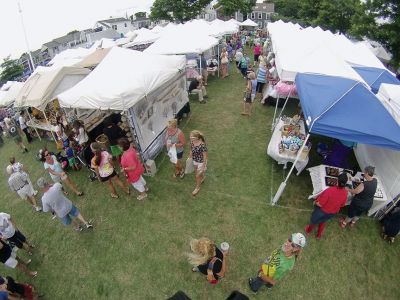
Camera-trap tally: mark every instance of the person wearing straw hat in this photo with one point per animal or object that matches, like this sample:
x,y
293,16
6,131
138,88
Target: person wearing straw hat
x,y
54,200
18,182
279,263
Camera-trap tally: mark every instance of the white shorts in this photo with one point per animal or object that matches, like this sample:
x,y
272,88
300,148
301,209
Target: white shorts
x,y
59,179
12,262
25,192
199,166
139,185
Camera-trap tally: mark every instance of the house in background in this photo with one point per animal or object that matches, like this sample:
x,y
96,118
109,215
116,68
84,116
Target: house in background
x,y
120,25
93,36
262,13
209,13
141,22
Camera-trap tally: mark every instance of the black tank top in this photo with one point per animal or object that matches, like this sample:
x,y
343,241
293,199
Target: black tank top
x,y
366,197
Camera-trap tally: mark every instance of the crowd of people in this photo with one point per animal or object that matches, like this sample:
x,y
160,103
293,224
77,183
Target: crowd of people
x,y
120,166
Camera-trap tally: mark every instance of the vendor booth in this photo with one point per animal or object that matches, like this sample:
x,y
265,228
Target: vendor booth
x,y
9,94
147,89
41,88
144,38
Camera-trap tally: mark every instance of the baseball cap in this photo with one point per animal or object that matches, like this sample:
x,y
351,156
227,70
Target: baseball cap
x,y
299,239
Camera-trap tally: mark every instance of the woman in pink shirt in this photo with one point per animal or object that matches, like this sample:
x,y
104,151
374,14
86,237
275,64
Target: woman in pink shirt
x,y
103,165
133,168
257,52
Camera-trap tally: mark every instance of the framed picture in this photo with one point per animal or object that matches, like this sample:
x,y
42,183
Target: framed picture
x,y
150,112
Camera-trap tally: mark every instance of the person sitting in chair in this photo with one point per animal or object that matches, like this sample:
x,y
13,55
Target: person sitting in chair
x,y
196,86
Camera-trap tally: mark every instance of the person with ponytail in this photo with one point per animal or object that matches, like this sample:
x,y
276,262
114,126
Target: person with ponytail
x,y
102,163
199,155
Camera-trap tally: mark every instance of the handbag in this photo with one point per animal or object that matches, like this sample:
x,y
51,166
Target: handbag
x,y
189,168
224,60
172,154
59,144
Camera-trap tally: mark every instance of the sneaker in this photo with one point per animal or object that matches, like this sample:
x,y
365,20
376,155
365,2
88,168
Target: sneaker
x,y
251,288
35,193
146,189
78,229
38,208
89,226
141,197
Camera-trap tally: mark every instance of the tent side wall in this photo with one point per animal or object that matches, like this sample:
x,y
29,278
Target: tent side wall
x,y
148,117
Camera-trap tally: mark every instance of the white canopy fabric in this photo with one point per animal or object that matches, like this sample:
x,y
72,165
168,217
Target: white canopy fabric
x,y
157,29
45,83
182,41
249,22
389,94
378,50
143,36
123,78
70,57
103,43
10,95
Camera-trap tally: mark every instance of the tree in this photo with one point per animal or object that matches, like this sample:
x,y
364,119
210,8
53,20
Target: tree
x,y
287,9
177,10
229,7
11,70
140,14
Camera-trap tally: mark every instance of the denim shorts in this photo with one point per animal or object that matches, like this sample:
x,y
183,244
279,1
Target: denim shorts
x,y
73,213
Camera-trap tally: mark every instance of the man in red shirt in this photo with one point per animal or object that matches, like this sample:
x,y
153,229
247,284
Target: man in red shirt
x,y
327,205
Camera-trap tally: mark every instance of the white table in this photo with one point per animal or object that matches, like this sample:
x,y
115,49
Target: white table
x,y
285,157
318,174
41,125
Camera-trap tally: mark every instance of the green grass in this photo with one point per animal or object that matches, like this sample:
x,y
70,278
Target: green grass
x,y
137,251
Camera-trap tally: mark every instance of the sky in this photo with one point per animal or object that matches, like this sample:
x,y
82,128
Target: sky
x,y
48,19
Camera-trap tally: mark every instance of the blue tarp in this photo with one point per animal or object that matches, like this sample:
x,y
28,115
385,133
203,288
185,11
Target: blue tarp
x,y
375,76
346,109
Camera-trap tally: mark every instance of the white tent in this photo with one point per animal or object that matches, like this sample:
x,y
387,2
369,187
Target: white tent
x,y
10,95
378,50
103,43
182,41
249,23
45,83
157,29
143,36
149,88
70,57
389,94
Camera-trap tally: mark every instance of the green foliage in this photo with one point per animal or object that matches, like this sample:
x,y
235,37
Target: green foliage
x,y
11,69
177,10
229,7
140,14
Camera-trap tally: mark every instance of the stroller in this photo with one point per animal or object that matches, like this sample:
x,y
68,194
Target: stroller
x,y
84,157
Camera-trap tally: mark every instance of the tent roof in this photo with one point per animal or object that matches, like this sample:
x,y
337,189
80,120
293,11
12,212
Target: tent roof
x,y
122,79
182,41
45,83
93,59
249,22
9,96
345,109
70,56
389,94
376,76
143,37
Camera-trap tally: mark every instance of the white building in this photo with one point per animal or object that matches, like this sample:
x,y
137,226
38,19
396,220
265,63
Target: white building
x,y
120,25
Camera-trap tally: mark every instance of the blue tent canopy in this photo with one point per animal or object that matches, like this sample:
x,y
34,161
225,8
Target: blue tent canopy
x,y
346,109
375,76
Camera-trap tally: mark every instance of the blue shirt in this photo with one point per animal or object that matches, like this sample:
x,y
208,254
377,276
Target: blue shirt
x,y
261,76
3,295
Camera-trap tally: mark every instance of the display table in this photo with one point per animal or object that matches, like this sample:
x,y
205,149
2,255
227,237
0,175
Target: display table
x,y
285,157
34,123
318,180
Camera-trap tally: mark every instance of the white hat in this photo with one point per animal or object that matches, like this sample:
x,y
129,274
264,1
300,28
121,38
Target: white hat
x,y
299,239
9,169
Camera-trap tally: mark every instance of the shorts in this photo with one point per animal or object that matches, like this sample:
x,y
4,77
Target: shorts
x,y
25,192
104,179
199,166
256,56
115,151
12,261
356,211
17,239
251,99
72,161
179,155
140,185
73,213
204,72
59,179
260,86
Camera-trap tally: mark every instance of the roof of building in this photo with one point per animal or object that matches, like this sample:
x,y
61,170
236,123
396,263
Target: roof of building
x,y
265,7
113,20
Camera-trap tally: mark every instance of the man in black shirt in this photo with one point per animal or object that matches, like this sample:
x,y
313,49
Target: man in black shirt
x,y
196,86
113,133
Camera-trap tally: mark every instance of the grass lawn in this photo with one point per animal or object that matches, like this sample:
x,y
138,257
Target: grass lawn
x,y
137,250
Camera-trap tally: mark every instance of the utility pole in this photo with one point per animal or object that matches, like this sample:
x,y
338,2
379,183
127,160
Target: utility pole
x,y
32,65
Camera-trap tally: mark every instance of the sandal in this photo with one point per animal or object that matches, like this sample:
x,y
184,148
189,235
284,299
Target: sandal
x,y
195,191
342,223
182,174
80,194
351,224
115,196
141,197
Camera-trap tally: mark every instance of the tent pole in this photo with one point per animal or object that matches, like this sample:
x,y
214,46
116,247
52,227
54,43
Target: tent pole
x,y
201,73
30,118
218,61
284,105
273,119
283,184
52,133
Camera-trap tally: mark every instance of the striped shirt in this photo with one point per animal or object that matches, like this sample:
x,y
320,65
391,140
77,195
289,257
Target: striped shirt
x,y
262,75
17,181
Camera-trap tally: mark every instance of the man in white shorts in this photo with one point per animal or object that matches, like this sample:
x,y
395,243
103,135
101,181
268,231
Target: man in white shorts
x,y
10,259
19,183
